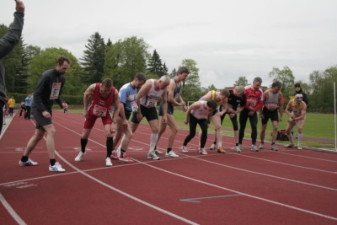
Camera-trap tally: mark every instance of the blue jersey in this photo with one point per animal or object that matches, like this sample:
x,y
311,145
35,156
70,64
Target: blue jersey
x,y
28,101
127,95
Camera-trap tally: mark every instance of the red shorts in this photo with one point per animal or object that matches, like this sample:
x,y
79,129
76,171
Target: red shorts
x,y
90,121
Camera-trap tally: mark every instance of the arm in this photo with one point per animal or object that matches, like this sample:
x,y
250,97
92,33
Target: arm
x,y
12,37
87,96
303,113
170,91
188,112
117,109
281,110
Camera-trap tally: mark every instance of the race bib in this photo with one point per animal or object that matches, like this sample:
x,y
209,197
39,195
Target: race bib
x,y
55,91
251,102
99,111
152,101
134,106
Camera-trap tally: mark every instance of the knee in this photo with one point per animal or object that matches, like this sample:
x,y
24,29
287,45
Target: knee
x,y
218,127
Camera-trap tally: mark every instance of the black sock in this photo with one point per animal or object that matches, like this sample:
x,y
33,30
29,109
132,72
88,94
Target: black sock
x,y
169,149
52,162
262,142
109,144
24,158
272,143
214,142
83,144
155,148
236,144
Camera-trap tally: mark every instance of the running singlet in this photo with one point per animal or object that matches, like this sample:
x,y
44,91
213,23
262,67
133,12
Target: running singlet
x,y
202,112
99,106
152,97
272,101
213,97
296,109
254,98
127,95
235,101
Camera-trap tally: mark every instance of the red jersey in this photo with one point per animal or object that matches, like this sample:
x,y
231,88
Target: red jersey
x,y
100,106
254,98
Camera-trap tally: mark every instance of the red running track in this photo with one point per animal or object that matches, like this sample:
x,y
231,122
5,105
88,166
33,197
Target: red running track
x,y
284,187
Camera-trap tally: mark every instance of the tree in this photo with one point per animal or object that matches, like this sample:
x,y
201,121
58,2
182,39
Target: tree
x,y
155,65
94,59
124,59
286,77
192,88
242,81
47,60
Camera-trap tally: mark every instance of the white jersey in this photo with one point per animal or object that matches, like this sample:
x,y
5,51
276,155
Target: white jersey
x,y
150,100
202,112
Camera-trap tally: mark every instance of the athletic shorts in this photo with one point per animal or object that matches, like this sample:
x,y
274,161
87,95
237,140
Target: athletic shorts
x,y
272,115
40,120
127,114
11,110
148,113
170,109
90,121
234,121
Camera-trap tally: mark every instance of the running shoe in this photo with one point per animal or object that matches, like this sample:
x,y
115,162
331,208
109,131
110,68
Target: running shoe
x,y
184,149
171,154
273,148
289,146
254,148
261,146
221,149
158,152
108,161
28,163
125,158
237,149
203,151
212,147
299,147
115,154
80,156
152,155
56,168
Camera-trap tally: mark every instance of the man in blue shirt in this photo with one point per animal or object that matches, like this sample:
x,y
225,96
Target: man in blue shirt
x,y
28,103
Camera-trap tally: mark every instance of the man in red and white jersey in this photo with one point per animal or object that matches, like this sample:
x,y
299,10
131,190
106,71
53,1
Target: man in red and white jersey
x,y
97,101
254,103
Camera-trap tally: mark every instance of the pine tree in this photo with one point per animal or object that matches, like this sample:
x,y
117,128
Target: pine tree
x,y
155,64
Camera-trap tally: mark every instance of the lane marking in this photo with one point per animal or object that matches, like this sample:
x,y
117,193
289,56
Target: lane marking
x,y
11,211
198,200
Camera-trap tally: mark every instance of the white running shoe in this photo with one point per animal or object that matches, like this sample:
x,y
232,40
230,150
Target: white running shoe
x,y
56,168
184,149
212,147
115,154
80,156
289,146
28,163
261,146
108,161
152,155
273,148
254,148
238,149
171,154
158,152
203,151
299,147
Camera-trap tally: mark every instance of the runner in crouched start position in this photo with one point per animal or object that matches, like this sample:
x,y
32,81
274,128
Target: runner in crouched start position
x,y
296,110
220,98
97,101
199,113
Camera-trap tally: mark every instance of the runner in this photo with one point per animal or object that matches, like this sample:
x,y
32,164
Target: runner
x,y
254,102
127,98
174,99
199,113
296,110
97,100
220,98
272,105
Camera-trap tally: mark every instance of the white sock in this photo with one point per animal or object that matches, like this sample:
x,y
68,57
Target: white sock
x,y
154,138
290,139
299,139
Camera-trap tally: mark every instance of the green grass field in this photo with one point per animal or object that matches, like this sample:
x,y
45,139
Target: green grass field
x,y
318,130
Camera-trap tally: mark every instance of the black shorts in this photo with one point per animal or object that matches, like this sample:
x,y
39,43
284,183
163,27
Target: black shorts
x,y
272,115
148,113
40,120
170,109
127,114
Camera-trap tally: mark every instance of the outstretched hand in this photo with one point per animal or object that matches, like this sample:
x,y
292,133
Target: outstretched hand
x,y
20,7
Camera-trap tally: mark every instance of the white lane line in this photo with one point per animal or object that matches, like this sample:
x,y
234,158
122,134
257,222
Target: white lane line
x,y
11,211
220,187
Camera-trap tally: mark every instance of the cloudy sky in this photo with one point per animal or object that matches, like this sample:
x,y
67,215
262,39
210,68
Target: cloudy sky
x,y
226,38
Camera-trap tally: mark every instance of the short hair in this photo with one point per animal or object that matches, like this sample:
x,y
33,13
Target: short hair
x,y
182,69
257,79
224,92
211,104
297,85
240,89
61,60
140,77
107,82
165,78
276,84
298,96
